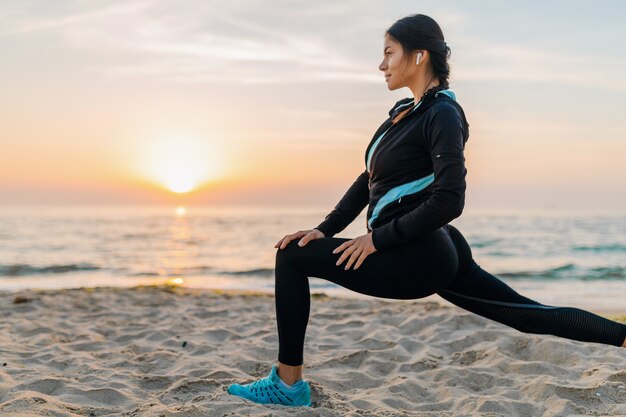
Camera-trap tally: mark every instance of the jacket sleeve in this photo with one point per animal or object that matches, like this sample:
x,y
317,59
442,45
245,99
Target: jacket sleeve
x,y
348,208
445,135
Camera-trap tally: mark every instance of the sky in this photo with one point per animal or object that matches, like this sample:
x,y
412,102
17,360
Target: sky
x,y
274,102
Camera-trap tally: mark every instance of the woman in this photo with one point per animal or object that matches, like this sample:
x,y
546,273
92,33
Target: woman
x,y
414,184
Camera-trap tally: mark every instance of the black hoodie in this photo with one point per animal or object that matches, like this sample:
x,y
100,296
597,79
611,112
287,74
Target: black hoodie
x,y
414,180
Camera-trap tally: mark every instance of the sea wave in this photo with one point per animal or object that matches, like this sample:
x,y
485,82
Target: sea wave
x,y
199,270
565,271
569,271
601,248
26,269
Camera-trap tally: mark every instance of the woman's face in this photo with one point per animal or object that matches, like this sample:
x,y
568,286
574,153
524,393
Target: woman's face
x,y
393,66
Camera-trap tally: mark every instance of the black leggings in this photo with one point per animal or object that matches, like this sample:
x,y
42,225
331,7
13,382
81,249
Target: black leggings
x,y
439,262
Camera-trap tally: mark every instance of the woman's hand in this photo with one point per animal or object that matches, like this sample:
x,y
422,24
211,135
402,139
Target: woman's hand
x,y
308,236
357,249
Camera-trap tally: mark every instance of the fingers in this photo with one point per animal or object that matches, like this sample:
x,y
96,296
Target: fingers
x,y
313,234
355,255
282,244
341,247
346,253
360,260
286,241
305,239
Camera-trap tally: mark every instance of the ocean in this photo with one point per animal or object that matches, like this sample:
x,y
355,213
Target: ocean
x,y
555,257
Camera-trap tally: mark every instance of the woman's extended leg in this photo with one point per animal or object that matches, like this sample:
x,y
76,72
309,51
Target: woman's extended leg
x,y
480,292
396,273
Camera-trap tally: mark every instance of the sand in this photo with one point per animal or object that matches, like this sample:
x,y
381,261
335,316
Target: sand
x,y
171,351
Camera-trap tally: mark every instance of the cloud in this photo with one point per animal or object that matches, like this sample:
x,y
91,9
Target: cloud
x,y
294,42
190,45
17,19
508,62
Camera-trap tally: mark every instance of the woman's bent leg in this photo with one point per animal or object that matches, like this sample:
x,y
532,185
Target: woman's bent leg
x,y
480,292
404,272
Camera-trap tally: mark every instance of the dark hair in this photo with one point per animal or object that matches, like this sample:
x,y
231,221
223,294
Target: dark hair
x,y
419,31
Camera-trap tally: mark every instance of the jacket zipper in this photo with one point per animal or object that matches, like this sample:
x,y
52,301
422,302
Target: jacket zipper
x,y
386,133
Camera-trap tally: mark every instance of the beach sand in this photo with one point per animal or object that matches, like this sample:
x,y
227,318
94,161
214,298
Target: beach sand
x,y
172,351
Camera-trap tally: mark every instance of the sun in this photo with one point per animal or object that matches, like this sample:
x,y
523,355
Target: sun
x,y
179,162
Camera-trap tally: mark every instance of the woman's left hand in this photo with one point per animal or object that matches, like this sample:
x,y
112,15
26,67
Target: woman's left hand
x,y
357,249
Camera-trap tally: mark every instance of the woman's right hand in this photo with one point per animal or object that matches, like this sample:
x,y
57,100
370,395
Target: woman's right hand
x,y
306,235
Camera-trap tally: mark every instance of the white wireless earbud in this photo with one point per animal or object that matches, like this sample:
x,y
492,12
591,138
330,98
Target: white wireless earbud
x,y
419,56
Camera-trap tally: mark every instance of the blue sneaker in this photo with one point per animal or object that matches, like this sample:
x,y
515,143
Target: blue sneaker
x,y
270,390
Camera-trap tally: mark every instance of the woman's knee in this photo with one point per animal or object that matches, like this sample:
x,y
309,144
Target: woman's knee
x,y
287,253
293,251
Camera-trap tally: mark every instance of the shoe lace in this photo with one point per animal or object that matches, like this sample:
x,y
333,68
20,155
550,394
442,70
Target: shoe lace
x,y
260,384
